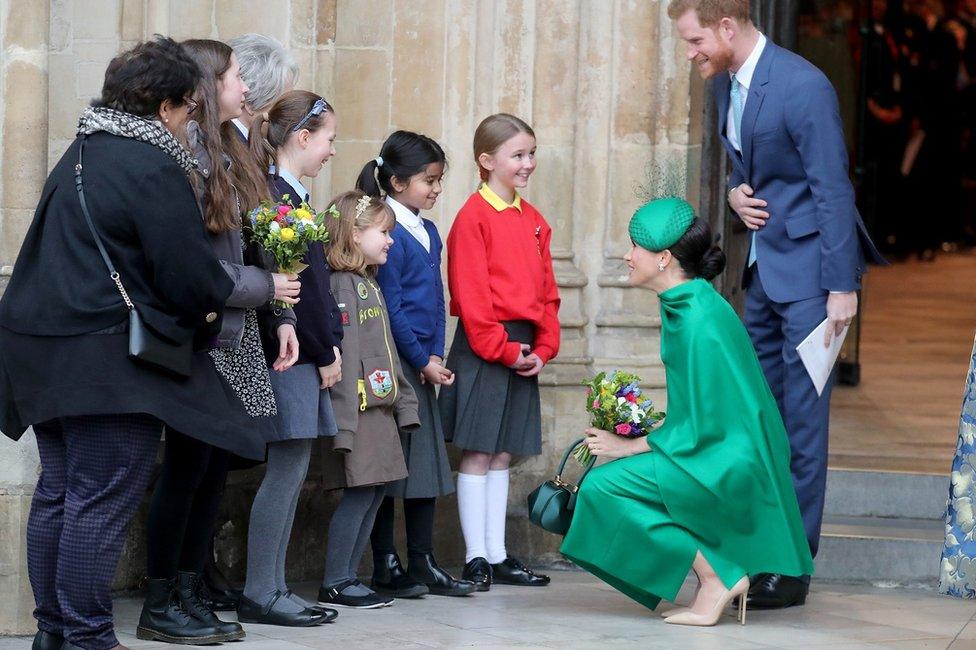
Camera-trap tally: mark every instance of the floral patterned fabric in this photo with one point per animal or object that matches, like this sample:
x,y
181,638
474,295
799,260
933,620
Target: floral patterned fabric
x,y
958,573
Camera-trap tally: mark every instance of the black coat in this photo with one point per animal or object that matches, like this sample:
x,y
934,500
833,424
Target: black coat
x,y
63,339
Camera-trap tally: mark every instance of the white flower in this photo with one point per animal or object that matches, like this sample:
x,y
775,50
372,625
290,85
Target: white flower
x,y
274,227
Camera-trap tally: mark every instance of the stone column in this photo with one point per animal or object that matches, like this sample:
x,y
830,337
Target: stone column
x,y
23,147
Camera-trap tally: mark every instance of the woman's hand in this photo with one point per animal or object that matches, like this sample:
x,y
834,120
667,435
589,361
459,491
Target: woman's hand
x,y
435,372
332,373
522,363
287,348
287,287
609,445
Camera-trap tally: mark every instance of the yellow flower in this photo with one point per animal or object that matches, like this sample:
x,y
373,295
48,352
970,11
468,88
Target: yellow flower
x,y
302,214
287,234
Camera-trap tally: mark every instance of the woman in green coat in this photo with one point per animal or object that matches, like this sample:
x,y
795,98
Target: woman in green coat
x,y
710,489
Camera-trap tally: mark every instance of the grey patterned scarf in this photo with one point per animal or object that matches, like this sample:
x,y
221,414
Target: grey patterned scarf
x,y
127,125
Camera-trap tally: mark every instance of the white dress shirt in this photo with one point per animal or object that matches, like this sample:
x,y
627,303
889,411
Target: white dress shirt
x,y
744,76
241,127
414,223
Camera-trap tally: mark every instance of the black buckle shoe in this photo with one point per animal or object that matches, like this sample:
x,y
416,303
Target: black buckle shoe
x,y
389,578
424,568
47,641
249,611
775,591
330,614
334,596
513,572
478,571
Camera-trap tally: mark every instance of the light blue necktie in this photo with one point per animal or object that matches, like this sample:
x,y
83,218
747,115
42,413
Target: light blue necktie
x,y
735,95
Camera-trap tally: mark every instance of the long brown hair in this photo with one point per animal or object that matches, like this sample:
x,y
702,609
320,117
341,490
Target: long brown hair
x,y
342,252
269,131
228,192
494,131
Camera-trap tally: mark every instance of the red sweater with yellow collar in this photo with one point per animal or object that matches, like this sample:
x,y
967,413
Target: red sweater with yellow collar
x,y
499,268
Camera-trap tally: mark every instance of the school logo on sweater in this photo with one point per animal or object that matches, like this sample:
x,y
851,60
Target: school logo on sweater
x,y
361,289
381,382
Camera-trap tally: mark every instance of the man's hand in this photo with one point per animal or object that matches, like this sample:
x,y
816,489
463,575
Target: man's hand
x,y
747,207
841,309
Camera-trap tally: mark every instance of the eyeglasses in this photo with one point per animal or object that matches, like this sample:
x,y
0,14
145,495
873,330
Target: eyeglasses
x,y
320,106
190,105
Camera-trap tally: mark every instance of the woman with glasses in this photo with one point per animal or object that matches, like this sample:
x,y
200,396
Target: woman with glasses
x,y
65,368
187,498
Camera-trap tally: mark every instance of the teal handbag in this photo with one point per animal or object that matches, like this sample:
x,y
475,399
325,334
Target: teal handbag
x,y
551,504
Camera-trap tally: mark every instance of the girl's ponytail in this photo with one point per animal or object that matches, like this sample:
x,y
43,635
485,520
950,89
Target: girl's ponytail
x,y
367,183
257,141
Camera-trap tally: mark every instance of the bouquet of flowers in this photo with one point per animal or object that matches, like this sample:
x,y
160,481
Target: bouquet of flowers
x,y
614,403
286,232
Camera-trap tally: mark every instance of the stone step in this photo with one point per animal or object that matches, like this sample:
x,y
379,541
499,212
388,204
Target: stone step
x,y
865,493
880,550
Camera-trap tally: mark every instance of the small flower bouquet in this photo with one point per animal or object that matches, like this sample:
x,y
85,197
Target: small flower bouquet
x,y
614,403
286,232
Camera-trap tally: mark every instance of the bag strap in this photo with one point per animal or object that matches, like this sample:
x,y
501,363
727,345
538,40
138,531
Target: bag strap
x,y
562,466
91,227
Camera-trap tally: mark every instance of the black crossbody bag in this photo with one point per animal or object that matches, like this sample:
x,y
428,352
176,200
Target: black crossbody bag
x,y
145,346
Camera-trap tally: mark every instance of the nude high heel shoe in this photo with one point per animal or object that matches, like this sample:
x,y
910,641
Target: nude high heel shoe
x,y
741,588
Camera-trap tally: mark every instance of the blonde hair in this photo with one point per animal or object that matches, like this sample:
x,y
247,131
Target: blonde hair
x,y
343,253
494,131
710,12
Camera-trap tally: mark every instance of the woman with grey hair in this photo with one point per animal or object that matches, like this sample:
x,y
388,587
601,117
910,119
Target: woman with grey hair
x,y
268,69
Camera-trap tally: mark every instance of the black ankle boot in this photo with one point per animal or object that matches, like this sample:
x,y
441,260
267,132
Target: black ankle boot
x,y
47,641
188,589
389,578
164,619
424,568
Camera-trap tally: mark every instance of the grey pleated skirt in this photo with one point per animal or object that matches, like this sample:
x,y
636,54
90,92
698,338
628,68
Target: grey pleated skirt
x,y
423,449
304,409
490,408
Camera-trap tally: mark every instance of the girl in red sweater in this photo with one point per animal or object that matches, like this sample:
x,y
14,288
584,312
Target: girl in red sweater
x,y
504,294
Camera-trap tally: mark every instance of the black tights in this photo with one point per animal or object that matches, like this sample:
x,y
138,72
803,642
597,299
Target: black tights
x,y
184,505
419,515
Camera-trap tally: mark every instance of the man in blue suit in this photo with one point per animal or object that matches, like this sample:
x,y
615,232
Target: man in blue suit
x,y
780,123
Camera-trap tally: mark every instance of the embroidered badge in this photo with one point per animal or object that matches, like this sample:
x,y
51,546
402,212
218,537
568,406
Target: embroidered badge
x,y
361,289
381,382
538,240
345,318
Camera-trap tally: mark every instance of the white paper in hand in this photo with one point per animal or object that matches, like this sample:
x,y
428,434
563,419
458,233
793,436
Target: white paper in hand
x,y
817,359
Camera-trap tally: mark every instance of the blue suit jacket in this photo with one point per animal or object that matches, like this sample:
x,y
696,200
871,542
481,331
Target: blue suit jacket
x,y
794,157
414,294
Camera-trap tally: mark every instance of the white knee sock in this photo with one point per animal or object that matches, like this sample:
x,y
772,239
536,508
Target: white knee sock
x,y
472,504
495,520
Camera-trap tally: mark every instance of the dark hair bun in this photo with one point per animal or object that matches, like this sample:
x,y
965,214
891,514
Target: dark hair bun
x,y
712,263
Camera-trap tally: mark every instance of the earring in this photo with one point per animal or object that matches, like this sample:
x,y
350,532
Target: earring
x,y
660,266
166,119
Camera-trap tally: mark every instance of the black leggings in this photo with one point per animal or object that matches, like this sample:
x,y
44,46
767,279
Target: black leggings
x,y
184,505
419,515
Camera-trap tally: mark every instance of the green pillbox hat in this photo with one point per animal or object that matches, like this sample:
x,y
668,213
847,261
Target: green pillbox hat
x,y
660,223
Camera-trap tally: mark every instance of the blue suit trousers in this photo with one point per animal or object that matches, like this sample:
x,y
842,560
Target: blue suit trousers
x,y
776,329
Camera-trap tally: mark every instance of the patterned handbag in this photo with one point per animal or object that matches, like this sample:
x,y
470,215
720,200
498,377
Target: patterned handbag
x,y
551,504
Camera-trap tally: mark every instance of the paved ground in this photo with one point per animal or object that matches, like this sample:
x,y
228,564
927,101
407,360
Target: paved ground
x,y
578,611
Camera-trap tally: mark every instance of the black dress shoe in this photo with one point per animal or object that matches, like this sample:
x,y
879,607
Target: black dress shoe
x,y
47,641
478,571
513,572
330,614
249,611
334,596
775,591
389,578
424,568
217,588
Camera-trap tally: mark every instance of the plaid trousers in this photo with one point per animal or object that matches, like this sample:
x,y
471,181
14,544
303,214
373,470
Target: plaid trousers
x,y
94,473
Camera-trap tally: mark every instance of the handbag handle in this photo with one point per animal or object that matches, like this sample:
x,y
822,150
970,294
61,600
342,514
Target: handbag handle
x,y
91,227
572,487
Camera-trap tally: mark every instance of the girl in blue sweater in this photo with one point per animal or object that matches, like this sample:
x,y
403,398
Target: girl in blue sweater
x,y
408,171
